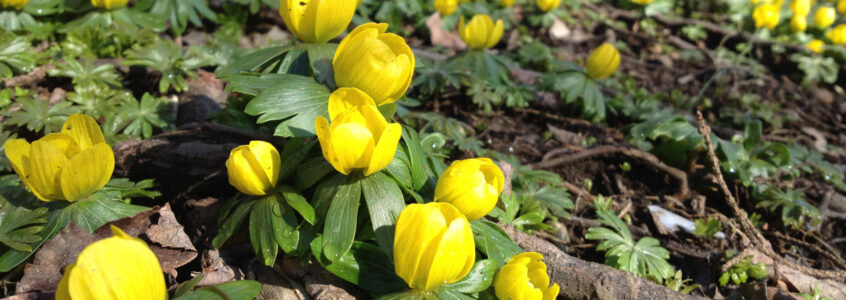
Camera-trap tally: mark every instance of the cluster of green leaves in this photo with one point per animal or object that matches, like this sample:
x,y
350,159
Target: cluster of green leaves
x,y
707,227
174,63
644,257
744,269
15,57
795,211
815,296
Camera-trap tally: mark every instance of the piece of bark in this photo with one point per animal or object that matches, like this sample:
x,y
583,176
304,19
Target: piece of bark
x,y
273,284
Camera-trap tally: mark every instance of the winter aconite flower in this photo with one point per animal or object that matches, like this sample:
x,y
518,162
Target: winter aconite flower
x,y
816,45
120,267
359,138
481,33
446,7
548,5
471,185
15,4
524,277
798,23
841,7
603,61
69,165
510,3
766,15
109,4
378,63
838,35
317,21
825,16
433,245
801,7
254,169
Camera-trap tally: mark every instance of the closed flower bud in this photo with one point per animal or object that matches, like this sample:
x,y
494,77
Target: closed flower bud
x,y
824,17
433,245
798,23
841,7
642,2
766,15
109,4
254,169
120,267
510,3
317,21
69,165
801,7
359,137
378,63
548,5
471,185
838,35
481,33
603,61
446,7
524,277
15,4
816,45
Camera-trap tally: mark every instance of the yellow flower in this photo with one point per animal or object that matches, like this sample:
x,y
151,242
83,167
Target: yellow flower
x,y
120,267
69,165
766,15
359,138
838,35
481,33
509,3
254,169
825,16
642,2
524,277
109,4
446,7
378,63
471,185
801,7
317,21
798,23
603,61
16,4
841,6
547,5
433,245
816,45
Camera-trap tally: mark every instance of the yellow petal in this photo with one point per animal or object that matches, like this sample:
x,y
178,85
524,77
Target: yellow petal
x,y
245,172
63,142
380,64
119,267
552,292
418,226
353,141
344,99
292,12
16,150
452,255
324,136
44,166
87,172
332,17
84,130
386,148
268,158
496,35
62,292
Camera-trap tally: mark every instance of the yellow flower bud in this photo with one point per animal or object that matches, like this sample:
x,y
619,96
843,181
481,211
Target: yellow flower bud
x,y
524,277
119,267
317,21
378,63
433,245
109,4
254,169
547,5
838,35
69,165
841,7
825,16
642,2
446,7
816,45
15,4
603,61
766,15
510,3
801,7
798,23
471,185
359,138
481,33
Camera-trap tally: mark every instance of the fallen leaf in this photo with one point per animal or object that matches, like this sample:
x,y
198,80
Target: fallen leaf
x,y
441,37
45,272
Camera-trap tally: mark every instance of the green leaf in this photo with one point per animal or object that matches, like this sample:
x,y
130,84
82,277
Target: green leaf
x,y
294,152
252,85
91,213
296,101
270,226
364,265
493,241
453,295
188,286
339,230
311,171
298,202
416,155
753,132
644,257
243,289
479,279
230,223
180,12
256,61
19,226
384,202
320,58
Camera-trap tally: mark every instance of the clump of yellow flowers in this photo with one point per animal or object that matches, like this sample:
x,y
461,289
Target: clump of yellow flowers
x,y
471,185
64,166
766,15
446,7
15,4
119,267
548,5
109,4
481,33
838,35
825,16
524,277
254,169
317,21
603,61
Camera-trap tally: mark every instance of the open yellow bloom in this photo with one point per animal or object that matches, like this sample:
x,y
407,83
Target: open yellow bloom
x,y
378,63
603,61
642,2
16,4
471,185
109,4
816,45
838,35
317,21
524,277
547,5
801,7
359,138
254,169
69,165
510,3
121,267
841,7
481,33
446,7
766,15
825,16
798,23
433,245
